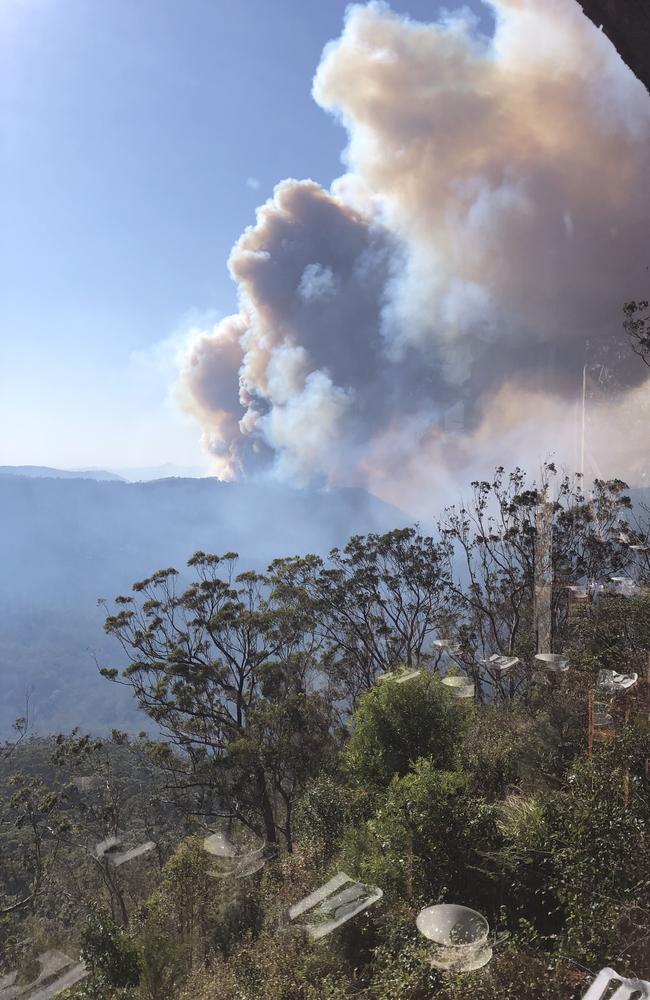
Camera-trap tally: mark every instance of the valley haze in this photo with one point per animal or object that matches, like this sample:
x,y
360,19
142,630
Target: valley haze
x,y
66,542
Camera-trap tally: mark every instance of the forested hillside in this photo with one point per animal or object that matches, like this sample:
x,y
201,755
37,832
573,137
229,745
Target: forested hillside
x,y
380,718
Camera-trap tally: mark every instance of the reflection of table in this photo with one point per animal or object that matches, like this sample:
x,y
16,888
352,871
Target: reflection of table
x,y
624,586
69,978
342,904
460,686
106,846
554,662
458,936
85,782
239,859
219,845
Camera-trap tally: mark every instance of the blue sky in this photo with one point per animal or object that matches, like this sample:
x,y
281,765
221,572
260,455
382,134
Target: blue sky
x,y
138,136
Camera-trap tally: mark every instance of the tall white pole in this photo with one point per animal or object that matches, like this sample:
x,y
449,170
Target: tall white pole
x,y
543,555
584,408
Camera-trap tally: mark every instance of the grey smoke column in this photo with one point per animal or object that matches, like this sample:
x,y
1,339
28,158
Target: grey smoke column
x,y
493,219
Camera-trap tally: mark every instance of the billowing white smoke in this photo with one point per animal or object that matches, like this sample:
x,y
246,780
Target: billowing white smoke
x,y
431,314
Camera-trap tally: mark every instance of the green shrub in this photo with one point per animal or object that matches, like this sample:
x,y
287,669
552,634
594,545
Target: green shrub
x,y
492,749
321,814
395,725
426,838
110,953
576,860
162,963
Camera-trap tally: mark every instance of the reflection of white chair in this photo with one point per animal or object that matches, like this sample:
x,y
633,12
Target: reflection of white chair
x,y
109,849
624,586
51,963
334,904
219,845
135,852
448,645
554,662
501,663
107,846
609,680
399,676
251,864
627,989
602,717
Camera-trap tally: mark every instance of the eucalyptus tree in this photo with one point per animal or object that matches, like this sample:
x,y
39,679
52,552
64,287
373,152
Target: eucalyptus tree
x,y
29,852
112,800
492,543
636,539
226,673
375,603
614,635
21,728
637,327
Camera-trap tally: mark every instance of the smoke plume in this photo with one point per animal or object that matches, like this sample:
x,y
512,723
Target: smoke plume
x,y
431,314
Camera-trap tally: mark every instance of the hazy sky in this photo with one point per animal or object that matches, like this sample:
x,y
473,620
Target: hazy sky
x,y
138,136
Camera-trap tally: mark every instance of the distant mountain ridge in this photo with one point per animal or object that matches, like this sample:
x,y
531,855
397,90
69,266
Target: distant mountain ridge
x,y
65,542
128,474
45,472
143,474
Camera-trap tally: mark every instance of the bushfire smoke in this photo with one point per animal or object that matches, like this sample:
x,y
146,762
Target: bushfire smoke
x,y
431,314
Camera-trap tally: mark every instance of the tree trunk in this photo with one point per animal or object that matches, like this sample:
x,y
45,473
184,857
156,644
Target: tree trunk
x,y
289,833
270,830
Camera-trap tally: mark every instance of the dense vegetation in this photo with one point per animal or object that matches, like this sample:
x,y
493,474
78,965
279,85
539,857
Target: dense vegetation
x,y
267,695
